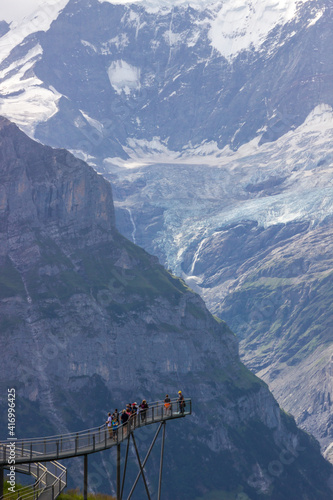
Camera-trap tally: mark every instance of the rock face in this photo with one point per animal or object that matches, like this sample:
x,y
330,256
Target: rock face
x,y
89,321
227,129
278,300
170,76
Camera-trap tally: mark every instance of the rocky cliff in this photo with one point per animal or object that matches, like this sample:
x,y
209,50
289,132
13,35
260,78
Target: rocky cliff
x,y
90,321
223,112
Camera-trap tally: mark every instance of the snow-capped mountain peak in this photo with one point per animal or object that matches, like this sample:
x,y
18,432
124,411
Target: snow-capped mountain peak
x,y
144,59
38,13
235,25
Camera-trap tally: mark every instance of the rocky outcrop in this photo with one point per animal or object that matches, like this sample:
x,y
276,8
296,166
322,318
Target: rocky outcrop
x,y
90,321
151,82
277,296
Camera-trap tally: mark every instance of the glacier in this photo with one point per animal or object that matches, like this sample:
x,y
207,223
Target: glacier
x,y
202,193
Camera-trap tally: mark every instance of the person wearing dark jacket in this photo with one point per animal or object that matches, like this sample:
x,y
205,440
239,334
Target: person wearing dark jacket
x,y
167,405
115,415
181,402
143,410
124,418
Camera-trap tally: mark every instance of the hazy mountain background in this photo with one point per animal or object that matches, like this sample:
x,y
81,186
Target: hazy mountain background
x,y
213,122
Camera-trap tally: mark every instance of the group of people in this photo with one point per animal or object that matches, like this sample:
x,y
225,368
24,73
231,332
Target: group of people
x,y
133,411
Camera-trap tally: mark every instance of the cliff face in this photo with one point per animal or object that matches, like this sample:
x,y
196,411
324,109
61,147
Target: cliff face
x,y
89,321
246,114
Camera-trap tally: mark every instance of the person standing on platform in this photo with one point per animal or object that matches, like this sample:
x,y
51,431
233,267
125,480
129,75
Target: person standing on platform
x,y
115,429
115,415
109,425
124,420
181,402
167,405
143,410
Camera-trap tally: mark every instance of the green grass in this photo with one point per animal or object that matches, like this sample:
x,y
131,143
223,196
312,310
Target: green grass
x,y
197,313
268,284
97,270
238,380
77,495
9,494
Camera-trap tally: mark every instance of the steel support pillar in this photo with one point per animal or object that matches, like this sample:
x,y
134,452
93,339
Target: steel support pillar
x,y
125,467
118,473
161,464
141,468
144,462
85,478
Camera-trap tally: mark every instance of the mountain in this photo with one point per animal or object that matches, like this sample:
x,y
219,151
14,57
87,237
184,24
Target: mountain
x,y
89,320
168,75
213,121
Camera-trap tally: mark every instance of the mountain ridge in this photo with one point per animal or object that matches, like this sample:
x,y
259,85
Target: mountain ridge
x,y
82,303
205,155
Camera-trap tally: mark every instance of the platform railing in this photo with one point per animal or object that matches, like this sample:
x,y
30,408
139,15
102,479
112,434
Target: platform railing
x,y
49,482
90,440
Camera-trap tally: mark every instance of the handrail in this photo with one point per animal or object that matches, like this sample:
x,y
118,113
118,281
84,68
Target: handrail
x,y
90,440
155,404
31,490
46,481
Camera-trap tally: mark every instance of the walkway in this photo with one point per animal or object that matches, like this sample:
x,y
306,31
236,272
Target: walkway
x,y
51,480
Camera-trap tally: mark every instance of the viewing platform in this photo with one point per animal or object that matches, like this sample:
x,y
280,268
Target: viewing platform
x,y
30,453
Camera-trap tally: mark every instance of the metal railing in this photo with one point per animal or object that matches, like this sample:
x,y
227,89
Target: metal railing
x,y
50,482
90,440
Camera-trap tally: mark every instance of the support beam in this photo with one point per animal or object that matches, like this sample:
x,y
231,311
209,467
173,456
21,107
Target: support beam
x,y
141,468
118,472
125,467
144,462
85,478
161,463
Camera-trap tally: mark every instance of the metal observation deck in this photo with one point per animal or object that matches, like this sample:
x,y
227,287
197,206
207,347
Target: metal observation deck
x,y
29,453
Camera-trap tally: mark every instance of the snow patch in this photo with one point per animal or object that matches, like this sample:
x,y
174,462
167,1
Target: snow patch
x,y
16,66
316,18
172,38
241,24
120,41
17,10
141,148
92,122
31,16
88,44
124,77
33,106
194,38
318,125
24,99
